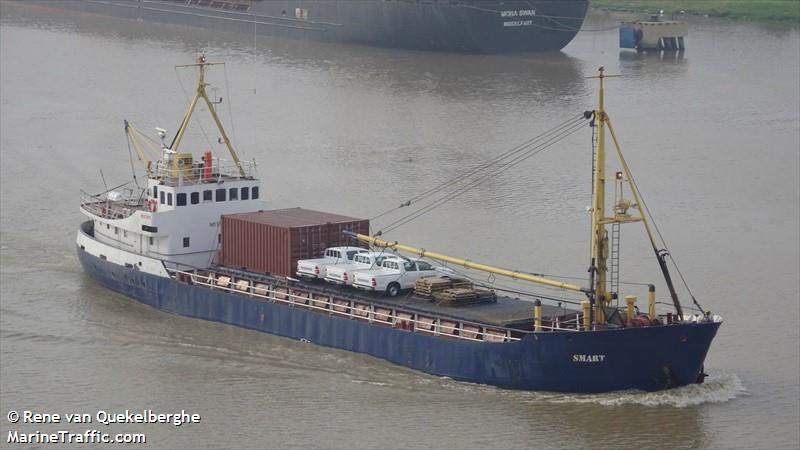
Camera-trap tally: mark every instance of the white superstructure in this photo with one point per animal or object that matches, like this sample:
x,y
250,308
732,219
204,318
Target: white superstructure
x,y
175,219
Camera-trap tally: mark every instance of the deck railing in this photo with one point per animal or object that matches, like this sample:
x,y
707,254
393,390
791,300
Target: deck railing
x,y
196,173
109,209
356,309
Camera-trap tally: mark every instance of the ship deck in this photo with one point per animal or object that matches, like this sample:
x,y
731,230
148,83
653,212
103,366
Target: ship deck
x,y
506,312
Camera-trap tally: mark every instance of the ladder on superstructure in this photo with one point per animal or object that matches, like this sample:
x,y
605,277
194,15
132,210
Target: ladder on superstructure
x,y
614,270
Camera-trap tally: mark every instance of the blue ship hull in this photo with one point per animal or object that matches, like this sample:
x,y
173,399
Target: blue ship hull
x,y
650,358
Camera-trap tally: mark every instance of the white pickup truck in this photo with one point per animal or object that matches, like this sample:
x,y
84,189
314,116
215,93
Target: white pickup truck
x,y
394,275
343,273
318,268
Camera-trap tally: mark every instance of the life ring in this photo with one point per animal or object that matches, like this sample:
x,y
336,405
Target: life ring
x,y
151,205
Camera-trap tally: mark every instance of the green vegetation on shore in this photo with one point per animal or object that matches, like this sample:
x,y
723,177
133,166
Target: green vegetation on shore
x,y
763,10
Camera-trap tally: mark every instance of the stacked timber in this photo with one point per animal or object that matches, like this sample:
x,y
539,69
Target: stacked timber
x,y
452,291
463,297
428,286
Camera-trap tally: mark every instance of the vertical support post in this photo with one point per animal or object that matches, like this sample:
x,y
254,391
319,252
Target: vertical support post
x,y
599,233
651,301
207,165
537,315
630,300
587,318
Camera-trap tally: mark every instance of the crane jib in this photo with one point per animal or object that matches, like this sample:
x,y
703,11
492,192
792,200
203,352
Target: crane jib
x,y
466,263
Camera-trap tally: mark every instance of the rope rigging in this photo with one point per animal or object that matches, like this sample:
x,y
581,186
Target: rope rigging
x,y
447,183
598,295
461,177
130,157
506,160
665,251
491,284
185,119
230,110
147,149
518,155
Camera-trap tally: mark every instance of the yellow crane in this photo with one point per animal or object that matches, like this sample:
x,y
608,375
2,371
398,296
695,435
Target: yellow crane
x,y
146,148
422,253
622,212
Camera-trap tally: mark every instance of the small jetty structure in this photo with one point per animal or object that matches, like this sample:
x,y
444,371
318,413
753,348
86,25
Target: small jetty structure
x,y
653,34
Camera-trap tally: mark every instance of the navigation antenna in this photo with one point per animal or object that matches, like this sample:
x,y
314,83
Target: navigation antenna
x,y
162,133
201,65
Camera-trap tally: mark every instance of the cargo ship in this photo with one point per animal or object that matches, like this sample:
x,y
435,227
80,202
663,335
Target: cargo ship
x,y
466,26
196,241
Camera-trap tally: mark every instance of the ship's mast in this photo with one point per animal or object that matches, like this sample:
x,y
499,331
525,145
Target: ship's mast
x,y
621,214
599,247
201,65
623,211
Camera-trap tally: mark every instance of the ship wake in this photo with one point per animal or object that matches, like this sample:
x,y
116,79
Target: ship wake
x,y
718,388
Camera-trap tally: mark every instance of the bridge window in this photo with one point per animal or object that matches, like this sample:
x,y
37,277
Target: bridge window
x,y
169,199
161,198
255,192
195,198
221,195
155,191
185,242
245,193
233,194
207,196
180,199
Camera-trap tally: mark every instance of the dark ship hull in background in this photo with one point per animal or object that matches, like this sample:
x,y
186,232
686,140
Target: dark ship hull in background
x,y
466,26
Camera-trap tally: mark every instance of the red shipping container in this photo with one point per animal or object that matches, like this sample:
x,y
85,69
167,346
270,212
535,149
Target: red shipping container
x,y
271,242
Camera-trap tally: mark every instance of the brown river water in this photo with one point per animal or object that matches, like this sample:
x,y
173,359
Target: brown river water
x,y
712,135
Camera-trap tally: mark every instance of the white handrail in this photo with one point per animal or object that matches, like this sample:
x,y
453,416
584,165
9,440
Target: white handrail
x,y
108,209
196,174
